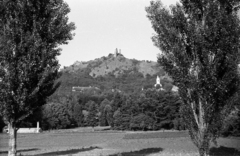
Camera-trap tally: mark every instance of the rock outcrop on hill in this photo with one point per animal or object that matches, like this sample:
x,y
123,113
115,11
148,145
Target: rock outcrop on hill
x,y
116,65
113,72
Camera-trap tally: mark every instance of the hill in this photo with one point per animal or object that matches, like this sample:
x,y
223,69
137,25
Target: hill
x,y
112,72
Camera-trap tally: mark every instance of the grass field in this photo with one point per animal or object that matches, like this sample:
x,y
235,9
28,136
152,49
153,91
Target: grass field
x,y
112,143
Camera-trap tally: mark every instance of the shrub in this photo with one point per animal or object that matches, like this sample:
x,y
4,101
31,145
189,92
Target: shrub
x,y
231,125
141,122
55,116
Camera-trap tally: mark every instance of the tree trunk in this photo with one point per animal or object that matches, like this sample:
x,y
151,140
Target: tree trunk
x,y
203,148
203,143
203,152
200,136
12,151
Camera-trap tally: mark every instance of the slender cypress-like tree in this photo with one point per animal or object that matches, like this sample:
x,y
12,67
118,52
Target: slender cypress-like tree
x,y
199,43
30,34
92,118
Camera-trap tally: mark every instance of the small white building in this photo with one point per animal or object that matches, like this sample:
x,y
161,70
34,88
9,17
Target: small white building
x,y
175,89
28,130
158,83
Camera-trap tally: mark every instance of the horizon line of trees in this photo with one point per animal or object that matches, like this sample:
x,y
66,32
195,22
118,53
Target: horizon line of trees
x,y
152,109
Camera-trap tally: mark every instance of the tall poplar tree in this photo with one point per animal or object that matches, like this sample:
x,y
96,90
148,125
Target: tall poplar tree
x,y
92,117
30,34
199,43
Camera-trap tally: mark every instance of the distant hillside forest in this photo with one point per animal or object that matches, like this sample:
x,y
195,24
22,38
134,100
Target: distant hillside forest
x,y
126,98
113,72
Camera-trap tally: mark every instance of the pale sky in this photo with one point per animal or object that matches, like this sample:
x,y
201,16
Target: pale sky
x,y
104,25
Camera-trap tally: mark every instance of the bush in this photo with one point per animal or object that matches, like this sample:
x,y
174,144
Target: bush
x,y
55,116
142,122
121,121
231,125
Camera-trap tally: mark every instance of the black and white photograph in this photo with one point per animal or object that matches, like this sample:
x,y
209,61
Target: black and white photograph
x,y
119,77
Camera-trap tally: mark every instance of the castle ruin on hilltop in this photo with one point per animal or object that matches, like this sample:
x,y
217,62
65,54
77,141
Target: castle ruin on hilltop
x,y
117,52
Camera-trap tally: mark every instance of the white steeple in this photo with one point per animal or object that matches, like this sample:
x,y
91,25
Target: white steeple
x,y
158,82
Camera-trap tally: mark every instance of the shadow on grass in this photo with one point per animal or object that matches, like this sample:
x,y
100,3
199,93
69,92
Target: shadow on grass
x,y
67,152
143,152
22,150
224,151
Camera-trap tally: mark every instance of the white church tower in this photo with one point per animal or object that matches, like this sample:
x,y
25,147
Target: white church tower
x,y
158,83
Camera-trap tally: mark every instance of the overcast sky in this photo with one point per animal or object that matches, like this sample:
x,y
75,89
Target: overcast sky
x,y
104,25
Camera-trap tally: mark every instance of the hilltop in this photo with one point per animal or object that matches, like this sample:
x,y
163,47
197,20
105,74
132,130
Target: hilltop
x,y
115,64
112,72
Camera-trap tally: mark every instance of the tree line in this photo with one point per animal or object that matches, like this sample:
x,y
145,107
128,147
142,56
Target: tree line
x,y
152,109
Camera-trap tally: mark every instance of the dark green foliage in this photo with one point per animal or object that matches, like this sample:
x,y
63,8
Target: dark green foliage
x,y
164,108
31,120
135,62
167,86
158,86
200,44
66,109
142,122
171,112
128,81
103,110
148,110
2,124
117,120
121,120
83,98
152,110
148,86
120,116
55,116
30,35
92,117
232,124
118,101
78,115
109,115
77,103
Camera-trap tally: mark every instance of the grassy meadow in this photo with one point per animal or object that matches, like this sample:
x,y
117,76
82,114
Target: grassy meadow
x,y
85,142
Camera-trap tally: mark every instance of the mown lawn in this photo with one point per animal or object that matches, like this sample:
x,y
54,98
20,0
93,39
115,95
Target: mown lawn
x,y
100,143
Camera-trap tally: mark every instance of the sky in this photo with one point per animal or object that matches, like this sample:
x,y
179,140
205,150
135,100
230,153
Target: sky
x,y
104,25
